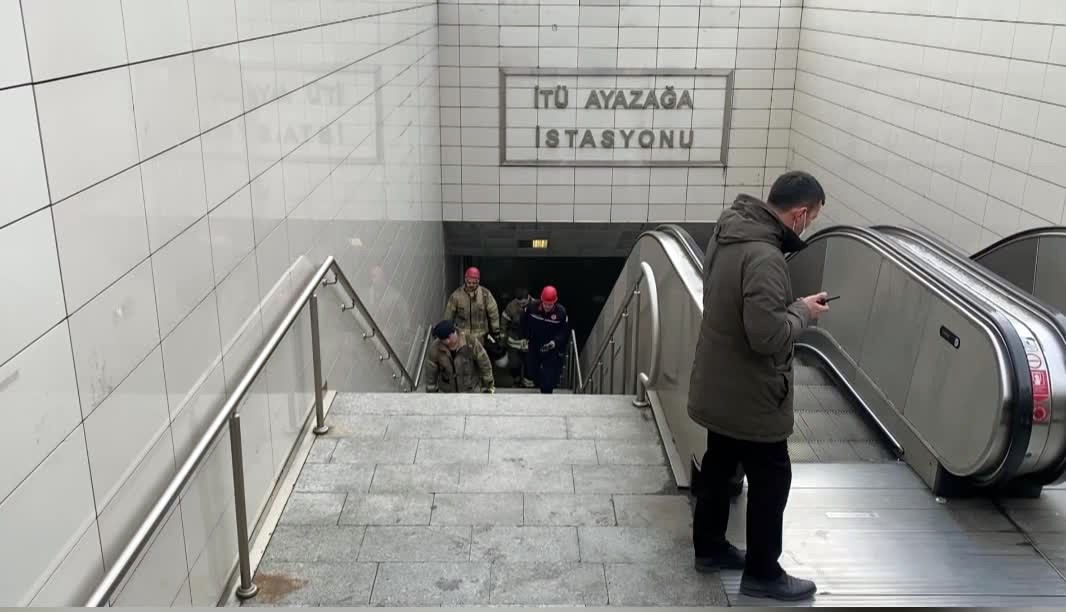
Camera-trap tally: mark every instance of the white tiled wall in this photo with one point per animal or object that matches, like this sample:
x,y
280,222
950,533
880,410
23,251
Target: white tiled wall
x,y
171,172
949,115
757,38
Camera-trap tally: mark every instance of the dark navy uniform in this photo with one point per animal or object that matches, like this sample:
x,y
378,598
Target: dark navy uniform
x,y
550,331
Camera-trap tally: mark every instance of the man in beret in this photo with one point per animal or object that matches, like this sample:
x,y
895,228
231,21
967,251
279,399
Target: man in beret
x,y
457,363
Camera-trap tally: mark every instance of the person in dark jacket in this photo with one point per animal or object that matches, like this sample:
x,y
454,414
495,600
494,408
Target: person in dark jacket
x,y
517,345
546,327
741,383
457,363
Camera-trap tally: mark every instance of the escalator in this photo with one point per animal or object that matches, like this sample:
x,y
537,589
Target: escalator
x,y
1033,261
1041,325
928,358
830,426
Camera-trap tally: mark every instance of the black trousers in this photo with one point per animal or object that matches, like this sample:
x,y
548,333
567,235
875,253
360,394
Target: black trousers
x,y
544,368
769,472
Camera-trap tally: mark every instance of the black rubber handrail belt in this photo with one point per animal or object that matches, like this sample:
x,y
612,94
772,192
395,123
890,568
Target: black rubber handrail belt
x,y
1028,234
1036,307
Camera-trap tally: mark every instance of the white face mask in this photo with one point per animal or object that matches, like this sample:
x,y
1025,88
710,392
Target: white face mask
x,y
803,225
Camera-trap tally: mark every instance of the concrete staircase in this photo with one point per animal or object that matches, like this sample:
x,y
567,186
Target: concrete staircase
x,y
509,499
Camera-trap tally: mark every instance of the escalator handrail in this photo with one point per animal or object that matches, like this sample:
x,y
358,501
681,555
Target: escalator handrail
x,y
1029,234
692,248
1009,341
1030,302
1049,315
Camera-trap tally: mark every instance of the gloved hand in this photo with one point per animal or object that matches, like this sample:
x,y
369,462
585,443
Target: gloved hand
x,y
489,390
550,346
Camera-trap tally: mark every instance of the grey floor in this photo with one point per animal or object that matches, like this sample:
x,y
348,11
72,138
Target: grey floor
x,y
422,500
519,499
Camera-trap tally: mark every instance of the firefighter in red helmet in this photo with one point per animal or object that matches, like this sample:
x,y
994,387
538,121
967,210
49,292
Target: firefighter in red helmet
x,y
547,328
473,309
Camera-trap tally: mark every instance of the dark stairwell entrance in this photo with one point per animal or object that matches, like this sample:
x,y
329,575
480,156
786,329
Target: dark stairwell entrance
x,y
583,284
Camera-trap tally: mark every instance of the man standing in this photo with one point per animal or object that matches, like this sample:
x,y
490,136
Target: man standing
x,y
517,345
741,385
473,309
457,363
547,328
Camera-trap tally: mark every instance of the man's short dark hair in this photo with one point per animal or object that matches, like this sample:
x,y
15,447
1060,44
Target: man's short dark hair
x,y
521,293
793,189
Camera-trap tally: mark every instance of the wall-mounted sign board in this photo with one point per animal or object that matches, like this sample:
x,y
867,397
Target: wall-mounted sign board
x,y
615,117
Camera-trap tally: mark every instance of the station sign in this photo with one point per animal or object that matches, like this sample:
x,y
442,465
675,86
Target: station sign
x,y
615,117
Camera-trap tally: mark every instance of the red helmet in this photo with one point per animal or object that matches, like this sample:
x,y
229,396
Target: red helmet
x,y
549,295
472,273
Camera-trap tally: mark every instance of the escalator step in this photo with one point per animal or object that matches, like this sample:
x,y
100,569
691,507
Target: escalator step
x,y
800,451
835,452
873,452
832,399
822,428
852,427
808,375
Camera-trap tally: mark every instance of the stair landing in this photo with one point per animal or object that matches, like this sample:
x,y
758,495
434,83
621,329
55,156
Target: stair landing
x,y
513,499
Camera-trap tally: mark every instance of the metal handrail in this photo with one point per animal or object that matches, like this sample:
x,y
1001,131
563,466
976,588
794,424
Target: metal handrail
x,y
229,414
422,358
644,380
687,242
575,359
375,331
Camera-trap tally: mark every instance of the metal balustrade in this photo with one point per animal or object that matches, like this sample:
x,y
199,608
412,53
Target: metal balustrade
x,y
230,417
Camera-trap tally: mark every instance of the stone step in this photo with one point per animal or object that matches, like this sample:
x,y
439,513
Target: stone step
x,y
501,404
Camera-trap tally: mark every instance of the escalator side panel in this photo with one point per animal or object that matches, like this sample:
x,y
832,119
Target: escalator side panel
x,y
851,271
1034,335
886,345
893,339
954,398
807,269
671,390
1050,276
1015,262
681,311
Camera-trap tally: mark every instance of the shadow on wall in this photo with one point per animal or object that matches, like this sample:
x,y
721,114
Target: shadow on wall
x,y
396,269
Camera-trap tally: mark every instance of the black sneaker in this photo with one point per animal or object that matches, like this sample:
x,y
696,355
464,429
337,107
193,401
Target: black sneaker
x,y
783,588
731,558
